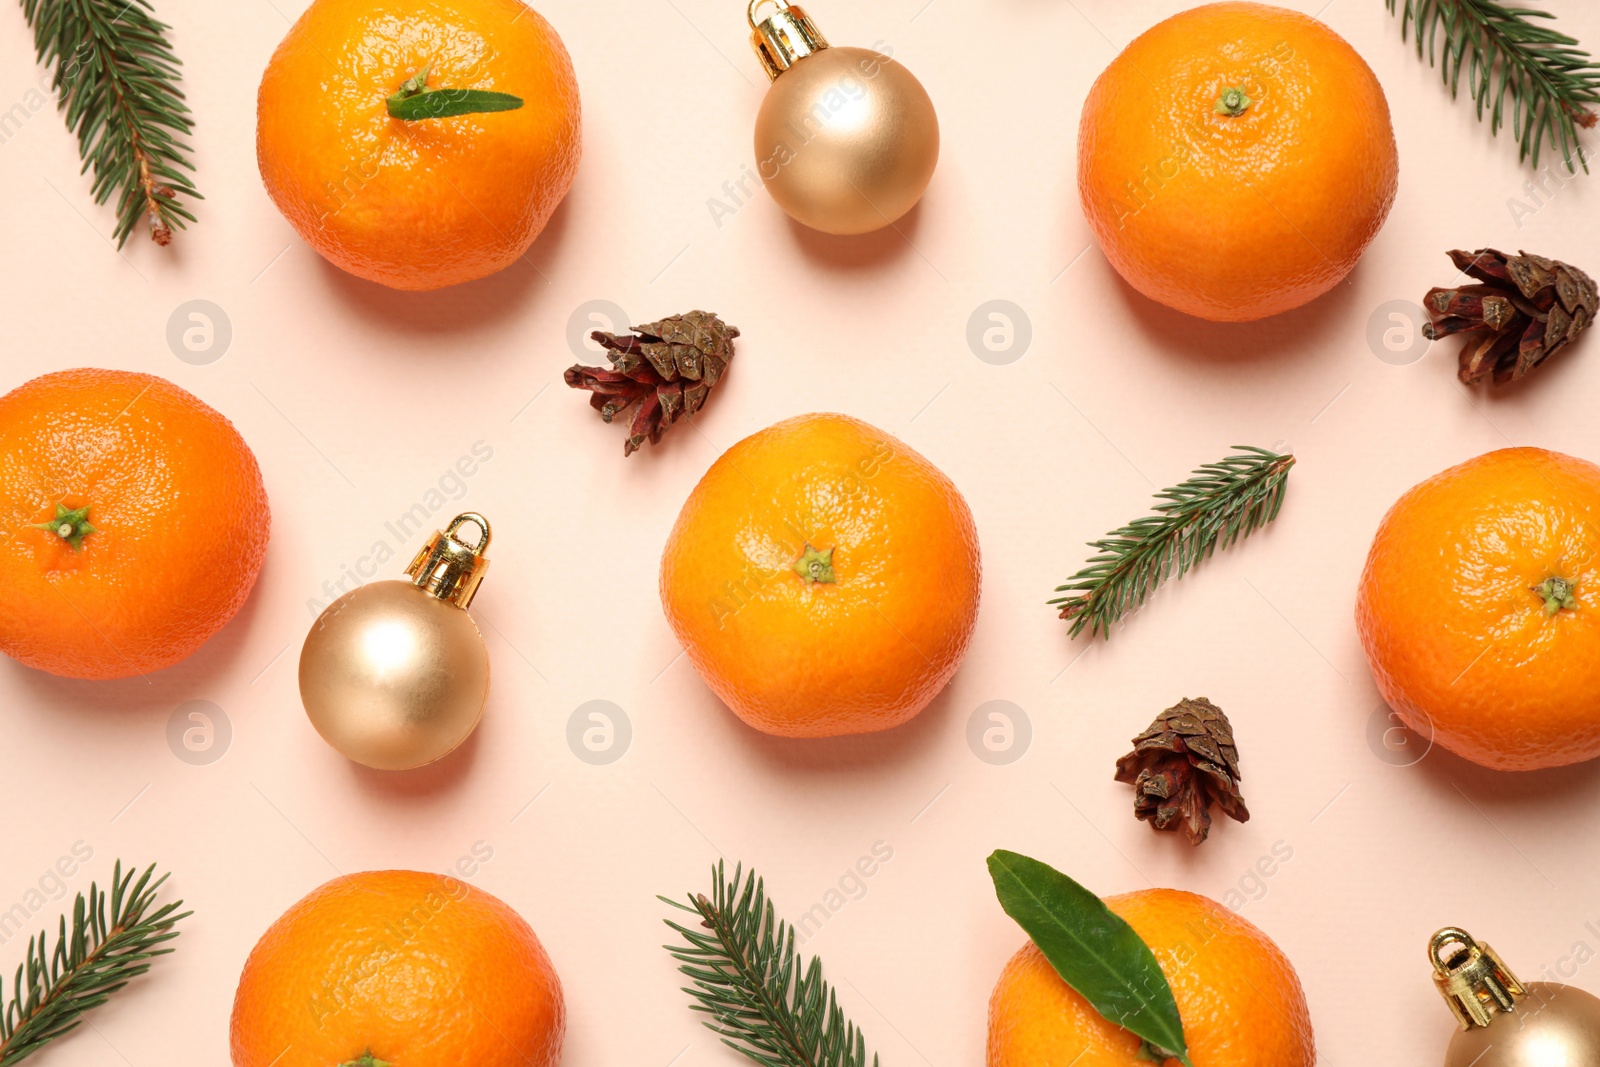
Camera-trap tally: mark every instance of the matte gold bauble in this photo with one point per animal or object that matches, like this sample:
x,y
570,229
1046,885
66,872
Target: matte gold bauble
x,y
847,138
394,675
1505,1023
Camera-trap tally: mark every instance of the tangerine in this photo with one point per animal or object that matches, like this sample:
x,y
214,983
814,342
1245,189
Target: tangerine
x,y
418,203
1238,995
403,968
823,578
1235,161
135,523
1479,609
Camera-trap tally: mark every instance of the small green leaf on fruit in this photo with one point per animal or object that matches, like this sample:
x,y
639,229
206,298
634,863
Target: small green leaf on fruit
x,y
1092,949
414,101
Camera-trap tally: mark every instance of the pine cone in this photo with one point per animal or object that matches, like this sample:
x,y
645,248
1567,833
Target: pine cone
x,y
1527,309
668,369
1181,765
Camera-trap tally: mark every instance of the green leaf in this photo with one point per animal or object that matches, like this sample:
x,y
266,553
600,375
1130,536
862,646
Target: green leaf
x,y
1094,951
444,103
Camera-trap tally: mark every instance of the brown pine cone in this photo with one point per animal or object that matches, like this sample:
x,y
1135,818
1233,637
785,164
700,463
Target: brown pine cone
x,y
1181,765
668,368
1527,309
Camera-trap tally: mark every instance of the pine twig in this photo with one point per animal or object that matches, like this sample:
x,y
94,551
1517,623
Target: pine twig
x,y
1549,80
761,998
112,941
116,81
1220,503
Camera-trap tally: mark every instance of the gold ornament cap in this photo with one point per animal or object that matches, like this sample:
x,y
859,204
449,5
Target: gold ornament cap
x,y
448,567
1472,978
783,38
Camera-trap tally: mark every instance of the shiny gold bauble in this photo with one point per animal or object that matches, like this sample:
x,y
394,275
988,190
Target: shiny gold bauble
x,y
393,677
395,674
1505,1022
846,140
1553,1025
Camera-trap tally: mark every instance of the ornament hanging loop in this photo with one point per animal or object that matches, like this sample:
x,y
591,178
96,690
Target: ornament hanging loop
x,y
783,38
1471,977
450,568
474,519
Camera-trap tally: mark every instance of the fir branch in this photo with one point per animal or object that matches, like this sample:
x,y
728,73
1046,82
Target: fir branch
x,y
762,999
1507,53
1220,503
112,941
117,85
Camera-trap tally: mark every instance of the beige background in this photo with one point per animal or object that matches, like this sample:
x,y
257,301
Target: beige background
x,y
358,401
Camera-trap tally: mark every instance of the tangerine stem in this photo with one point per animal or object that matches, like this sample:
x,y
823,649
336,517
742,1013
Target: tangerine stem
x,y
366,1059
70,524
1557,593
1233,102
815,566
1154,1053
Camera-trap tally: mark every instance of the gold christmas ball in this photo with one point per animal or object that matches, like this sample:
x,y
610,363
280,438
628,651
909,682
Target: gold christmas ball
x,y
846,140
1504,1021
394,677
1553,1025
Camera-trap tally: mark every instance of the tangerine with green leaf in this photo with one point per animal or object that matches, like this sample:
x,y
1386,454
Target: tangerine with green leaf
x,y
134,523
419,143
1238,996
